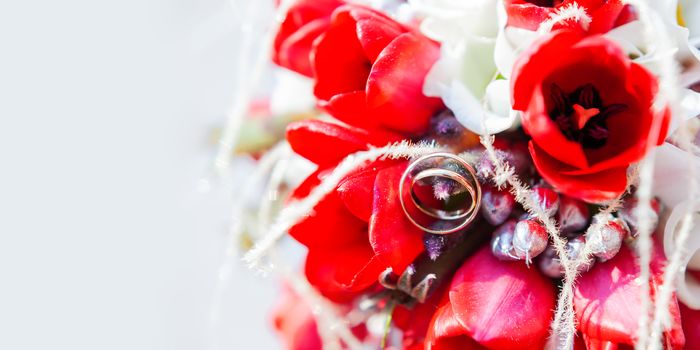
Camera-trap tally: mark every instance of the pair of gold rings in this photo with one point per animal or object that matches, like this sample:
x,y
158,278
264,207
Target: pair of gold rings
x,y
441,166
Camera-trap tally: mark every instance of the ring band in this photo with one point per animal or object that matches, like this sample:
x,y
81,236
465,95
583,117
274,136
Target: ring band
x,y
438,213
465,215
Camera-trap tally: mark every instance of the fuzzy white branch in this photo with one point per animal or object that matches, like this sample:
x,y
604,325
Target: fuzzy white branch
x,y
572,12
248,73
564,324
294,212
661,318
657,39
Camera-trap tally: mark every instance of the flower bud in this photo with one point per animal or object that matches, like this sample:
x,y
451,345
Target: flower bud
x,y
573,215
547,198
549,262
529,239
574,248
605,237
502,241
630,214
485,169
496,205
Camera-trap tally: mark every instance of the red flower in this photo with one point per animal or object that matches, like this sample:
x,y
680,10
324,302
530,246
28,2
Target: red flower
x,y
691,326
295,324
304,22
369,71
604,14
493,305
607,303
589,111
359,229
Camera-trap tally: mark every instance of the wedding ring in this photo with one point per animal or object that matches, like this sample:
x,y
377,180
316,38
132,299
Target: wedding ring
x,y
438,213
442,221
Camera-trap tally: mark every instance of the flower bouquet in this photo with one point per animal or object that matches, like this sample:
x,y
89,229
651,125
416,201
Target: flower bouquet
x,y
483,174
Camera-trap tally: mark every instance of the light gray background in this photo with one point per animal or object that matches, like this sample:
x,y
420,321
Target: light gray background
x,y
105,240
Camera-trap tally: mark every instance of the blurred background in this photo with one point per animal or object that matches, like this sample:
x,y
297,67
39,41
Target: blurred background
x,y
113,227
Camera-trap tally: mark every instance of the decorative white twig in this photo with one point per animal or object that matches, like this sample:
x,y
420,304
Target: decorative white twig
x,y
661,317
294,212
572,12
657,38
248,72
564,323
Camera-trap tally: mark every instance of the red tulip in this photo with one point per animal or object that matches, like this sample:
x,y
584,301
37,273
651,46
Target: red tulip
x,y
607,301
358,230
395,240
305,21
605,14
369,71
414,321
493,305
295,324
588,109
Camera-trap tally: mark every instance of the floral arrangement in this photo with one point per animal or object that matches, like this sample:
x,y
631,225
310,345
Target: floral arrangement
x,y
483,174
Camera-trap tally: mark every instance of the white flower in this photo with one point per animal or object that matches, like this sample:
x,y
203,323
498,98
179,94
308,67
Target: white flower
x,y
465,75
672,172
682,40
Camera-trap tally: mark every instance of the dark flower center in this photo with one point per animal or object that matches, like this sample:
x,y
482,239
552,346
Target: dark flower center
x,y
545,3
581,115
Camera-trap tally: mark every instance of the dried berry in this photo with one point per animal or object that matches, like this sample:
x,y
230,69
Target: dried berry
x,y
496,205
630,214
502,241
551,266
547,198
573,215
529,239
605,237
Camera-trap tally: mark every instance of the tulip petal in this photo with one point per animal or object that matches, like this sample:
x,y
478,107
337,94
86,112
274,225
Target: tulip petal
x,y
592,188
608,16
295,52
338,141
351,108
303,23
335,54
341,273
392,236
375,33
608,297
330,224
446,333
547,135
691,326
357,189
526,14
502,305
395,84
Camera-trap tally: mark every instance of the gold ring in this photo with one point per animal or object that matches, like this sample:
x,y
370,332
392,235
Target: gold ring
x,y
463,216
438,213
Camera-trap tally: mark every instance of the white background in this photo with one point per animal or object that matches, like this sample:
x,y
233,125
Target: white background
x,y
105,242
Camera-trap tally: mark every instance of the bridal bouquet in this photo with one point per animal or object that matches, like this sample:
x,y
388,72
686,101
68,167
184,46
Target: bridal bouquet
x,y
487,174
